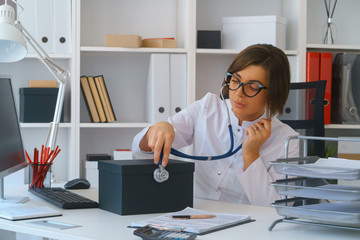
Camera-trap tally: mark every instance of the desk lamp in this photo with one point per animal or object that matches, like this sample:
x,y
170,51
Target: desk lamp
x,y
13,38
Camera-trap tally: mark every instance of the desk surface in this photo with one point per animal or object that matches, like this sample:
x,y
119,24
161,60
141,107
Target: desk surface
x,y
100,224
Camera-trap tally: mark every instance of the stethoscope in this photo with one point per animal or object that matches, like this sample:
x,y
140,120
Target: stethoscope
x,y
161,174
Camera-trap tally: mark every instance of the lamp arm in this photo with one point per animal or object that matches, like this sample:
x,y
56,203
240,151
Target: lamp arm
x,y
60,74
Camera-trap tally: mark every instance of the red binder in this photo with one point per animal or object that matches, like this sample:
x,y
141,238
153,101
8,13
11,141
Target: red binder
x,y
312,74
326,74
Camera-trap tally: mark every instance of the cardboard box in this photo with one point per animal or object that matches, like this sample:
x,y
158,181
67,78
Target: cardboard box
x,y
240,32
209,39
92,173
43,83
349,149
129,41
351,156
128,187
37,105
159,43
122,154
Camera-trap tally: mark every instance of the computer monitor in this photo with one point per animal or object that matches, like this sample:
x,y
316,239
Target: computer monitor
x,y
12,156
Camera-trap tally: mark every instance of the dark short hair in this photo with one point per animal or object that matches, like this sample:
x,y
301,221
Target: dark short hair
x,y
277,67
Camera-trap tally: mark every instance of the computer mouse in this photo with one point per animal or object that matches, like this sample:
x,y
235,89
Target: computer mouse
x,y
77,183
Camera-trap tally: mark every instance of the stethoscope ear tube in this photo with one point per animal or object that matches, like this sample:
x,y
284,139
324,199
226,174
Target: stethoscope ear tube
x,y
206,158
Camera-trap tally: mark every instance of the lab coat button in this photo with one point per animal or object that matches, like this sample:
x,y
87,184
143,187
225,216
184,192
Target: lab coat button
x,y
219,173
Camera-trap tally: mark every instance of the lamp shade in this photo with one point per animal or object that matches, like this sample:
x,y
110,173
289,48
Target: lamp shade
x,y
12,42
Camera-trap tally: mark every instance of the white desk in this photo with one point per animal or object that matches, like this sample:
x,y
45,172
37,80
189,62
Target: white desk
x,y
100,224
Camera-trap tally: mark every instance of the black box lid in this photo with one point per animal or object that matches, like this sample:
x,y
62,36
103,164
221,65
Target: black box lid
x,y
44,91
143,166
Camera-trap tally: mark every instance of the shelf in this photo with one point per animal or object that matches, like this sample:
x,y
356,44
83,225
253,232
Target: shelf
x,y
333,47
342,126
236,51
52,56
43,125
114,125
131,50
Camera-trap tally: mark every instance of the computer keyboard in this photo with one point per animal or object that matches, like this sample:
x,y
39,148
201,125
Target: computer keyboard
x,y
64,198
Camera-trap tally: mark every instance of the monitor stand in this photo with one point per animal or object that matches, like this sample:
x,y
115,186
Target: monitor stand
x,y
10,200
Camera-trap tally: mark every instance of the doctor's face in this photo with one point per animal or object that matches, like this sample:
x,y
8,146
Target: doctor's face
x,y
248,108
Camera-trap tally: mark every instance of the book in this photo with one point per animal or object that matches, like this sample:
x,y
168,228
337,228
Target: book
x,y
89,99
326,74
96,97
198,226
102,98
105,99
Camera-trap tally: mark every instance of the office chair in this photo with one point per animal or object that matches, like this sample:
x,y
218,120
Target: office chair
x,y
304,112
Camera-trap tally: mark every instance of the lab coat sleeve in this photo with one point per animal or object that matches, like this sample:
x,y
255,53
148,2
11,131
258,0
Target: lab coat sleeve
x,y
136,152
184,125
256,179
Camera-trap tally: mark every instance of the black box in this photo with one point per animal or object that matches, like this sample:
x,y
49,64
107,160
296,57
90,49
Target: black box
x,y
209,39
38,105
98,157
128,187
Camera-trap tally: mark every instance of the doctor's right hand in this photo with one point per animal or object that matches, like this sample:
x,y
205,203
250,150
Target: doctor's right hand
x,y
159,137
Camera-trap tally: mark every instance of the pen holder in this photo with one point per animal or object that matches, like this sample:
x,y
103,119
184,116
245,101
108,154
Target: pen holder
x,y
39,175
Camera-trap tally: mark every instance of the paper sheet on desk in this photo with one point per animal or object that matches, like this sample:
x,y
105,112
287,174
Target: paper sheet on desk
x,y
199,226
331,168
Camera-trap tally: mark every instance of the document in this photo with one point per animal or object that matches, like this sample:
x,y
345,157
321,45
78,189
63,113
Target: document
x,y
343,213
331,168
199,226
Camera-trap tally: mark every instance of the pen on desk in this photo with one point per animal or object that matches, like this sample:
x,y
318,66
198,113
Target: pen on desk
x,y
192,216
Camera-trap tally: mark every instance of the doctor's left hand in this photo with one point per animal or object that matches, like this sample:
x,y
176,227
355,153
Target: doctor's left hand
x,y
257,134
159,137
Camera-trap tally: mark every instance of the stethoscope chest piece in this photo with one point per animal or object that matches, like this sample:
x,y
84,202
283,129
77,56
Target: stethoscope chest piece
x,y
160,174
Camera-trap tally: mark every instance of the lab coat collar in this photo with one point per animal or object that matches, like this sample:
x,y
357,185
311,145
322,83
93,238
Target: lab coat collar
x,y
246,124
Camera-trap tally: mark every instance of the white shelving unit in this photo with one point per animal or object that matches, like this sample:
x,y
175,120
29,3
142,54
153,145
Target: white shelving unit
x,y
346,38
125,70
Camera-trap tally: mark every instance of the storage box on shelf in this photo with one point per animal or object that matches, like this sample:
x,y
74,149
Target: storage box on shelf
x,y
37,105
240,32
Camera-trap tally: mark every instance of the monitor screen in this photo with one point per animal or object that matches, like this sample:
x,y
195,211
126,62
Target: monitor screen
x,y
12,156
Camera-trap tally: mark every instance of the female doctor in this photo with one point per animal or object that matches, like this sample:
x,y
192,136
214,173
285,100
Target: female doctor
x,y
257,85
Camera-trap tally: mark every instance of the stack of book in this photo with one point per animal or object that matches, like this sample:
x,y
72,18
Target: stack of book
x,y
97,99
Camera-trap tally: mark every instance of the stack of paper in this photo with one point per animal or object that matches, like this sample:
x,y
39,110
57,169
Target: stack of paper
x,y
343,213
331,168
199,226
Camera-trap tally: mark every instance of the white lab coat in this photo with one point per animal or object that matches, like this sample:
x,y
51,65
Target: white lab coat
x,y
205,125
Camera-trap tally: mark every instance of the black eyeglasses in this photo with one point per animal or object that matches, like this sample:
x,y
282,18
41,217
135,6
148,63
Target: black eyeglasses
x,y
250,89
